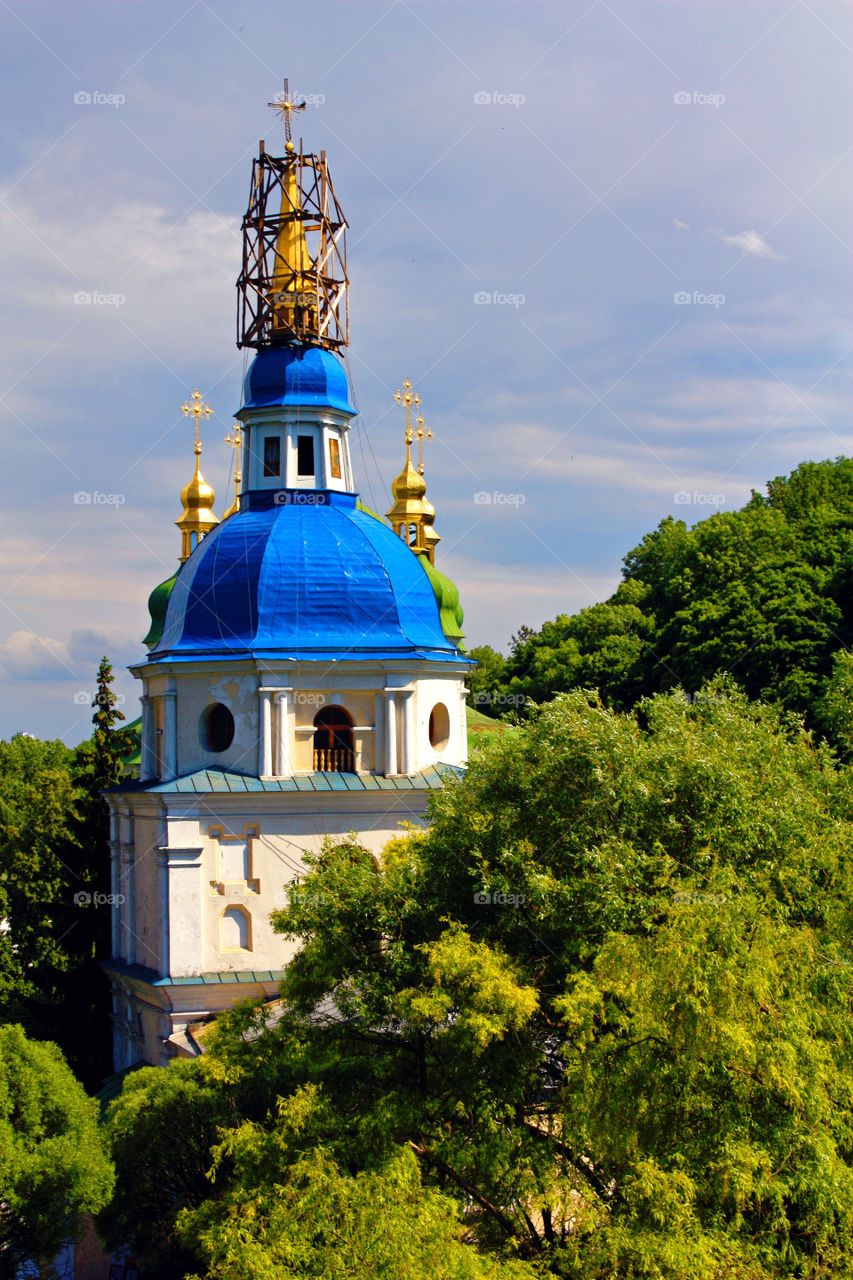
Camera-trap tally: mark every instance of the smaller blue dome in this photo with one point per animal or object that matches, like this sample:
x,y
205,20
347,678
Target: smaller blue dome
x,y
296,375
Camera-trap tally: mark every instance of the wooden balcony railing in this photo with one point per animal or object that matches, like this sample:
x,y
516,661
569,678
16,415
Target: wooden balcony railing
x,y
334,760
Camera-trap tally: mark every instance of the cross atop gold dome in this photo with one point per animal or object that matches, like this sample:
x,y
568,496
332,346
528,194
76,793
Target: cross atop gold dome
x,y
234,440
412,516
197,517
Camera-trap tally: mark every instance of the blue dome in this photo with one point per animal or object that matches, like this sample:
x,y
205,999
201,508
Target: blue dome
x,y
316,578
296,375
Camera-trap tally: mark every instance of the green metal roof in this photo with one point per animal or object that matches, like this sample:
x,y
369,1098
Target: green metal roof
x,y
141,973
205,781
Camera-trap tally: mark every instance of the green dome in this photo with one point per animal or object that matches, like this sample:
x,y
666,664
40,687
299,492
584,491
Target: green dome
x,y
157,604
447,596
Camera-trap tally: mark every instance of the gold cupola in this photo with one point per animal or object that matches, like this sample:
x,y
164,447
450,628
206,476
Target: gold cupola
x,y
411,516
197,497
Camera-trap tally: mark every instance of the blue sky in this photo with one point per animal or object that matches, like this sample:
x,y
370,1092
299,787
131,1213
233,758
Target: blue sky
x,y
653,198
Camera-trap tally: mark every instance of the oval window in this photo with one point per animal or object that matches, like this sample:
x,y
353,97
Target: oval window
x,y
217,727
439,726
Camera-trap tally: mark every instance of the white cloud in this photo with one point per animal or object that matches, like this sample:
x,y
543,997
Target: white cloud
x,y
749,242
26,656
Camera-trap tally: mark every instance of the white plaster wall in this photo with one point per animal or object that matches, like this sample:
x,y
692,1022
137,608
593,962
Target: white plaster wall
x,y
147,835
428,692
238,690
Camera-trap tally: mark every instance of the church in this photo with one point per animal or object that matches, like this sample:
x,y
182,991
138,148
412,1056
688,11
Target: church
x,y
304,676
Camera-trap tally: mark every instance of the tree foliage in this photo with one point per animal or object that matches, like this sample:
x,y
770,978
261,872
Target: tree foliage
x,y
763,593
38,810
53,1166
604,1001
55,885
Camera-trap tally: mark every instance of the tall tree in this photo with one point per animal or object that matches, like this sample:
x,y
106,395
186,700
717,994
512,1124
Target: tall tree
x,y
110,743
38,813
53,1166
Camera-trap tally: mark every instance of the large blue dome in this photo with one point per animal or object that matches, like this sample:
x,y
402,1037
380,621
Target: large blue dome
x,y
316,578
296,375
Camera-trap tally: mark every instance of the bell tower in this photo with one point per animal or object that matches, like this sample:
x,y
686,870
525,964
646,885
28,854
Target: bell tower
x,y
304,675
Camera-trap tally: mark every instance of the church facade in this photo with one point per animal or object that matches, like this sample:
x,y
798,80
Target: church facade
x,y
304,676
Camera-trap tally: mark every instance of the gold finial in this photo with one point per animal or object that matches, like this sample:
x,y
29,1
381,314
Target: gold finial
x,y
197,497
234,440
198,409
421,432
408,397
286,106
411,515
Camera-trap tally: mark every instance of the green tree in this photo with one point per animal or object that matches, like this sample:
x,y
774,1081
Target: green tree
x,y
38,810
290,1211
604,1000
160,1130
764,593
53,1166
486,679
110,743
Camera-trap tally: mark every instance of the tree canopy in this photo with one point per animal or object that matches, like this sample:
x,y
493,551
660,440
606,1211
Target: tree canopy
x,y
602,1003
55,884
53,1165
763,593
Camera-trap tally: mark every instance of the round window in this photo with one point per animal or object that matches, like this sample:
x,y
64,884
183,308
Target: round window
x,y
217,727
439,726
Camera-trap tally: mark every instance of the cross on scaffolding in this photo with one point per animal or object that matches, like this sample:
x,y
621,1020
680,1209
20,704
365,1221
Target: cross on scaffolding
x,y
286,106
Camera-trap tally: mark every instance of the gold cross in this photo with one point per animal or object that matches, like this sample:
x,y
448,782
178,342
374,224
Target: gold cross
x,y
286,106
198,409
235,440
422,431
408,397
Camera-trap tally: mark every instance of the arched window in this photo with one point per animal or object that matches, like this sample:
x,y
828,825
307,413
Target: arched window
x,y
217,727
439,726
235,930
334,750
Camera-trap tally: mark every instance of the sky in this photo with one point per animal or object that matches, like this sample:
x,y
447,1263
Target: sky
x,y
607,240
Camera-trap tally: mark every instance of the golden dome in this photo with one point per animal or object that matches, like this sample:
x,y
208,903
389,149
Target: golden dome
x,y
409,483
198,495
